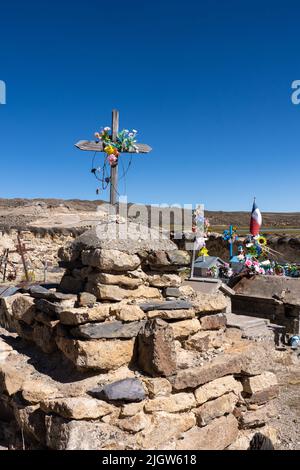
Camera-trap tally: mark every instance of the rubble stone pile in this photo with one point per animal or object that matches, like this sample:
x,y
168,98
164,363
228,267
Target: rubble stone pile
x,y
129,357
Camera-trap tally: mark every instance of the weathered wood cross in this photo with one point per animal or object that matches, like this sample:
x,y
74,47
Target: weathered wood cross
x,y
99,147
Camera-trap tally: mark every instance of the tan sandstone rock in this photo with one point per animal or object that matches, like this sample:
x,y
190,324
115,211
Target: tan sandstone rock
x,y
164,280
172,404
64,434
131,409
77,407
115,279
77,316
217,388
261,388
205,303
111,260
127,312
181,314
226,364
204,340
158,387
183,329
6,315
217,435
215,408
97,354
11,379
37,389
213,322
164,427
23,309
135,423
116,293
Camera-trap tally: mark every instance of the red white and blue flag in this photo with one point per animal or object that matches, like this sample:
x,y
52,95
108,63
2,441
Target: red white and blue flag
x,y
256,220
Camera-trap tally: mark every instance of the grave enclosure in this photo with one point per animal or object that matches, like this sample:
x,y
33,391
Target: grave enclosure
x,y
124,356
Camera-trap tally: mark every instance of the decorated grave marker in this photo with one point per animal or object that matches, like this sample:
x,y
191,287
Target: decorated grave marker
x,y
113,143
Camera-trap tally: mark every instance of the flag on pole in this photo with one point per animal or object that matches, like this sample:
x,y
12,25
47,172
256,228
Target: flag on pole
x,y
256,220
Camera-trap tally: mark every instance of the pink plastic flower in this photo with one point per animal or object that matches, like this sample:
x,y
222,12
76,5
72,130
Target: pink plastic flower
x,y
112,159
248,263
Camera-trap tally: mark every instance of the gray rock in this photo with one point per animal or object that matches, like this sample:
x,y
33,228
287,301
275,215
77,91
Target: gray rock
x,y
8,291
85,299
52,309
114,329
135,239
127,390
159,260
168,305
172,292
70,285
39,292
179,258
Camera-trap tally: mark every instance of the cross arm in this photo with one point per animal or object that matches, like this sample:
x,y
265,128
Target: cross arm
x,y
98,147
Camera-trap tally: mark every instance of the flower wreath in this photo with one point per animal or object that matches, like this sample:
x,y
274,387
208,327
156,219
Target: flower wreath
x,y
125,142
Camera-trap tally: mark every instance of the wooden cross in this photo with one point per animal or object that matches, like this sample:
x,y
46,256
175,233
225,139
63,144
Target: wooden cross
x,y
99,147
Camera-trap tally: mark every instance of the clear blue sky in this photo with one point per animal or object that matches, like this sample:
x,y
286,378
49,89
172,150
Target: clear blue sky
x,y
206,83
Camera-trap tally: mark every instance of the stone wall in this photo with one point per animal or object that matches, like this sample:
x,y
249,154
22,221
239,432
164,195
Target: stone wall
x,y
41,247
272,297
129,358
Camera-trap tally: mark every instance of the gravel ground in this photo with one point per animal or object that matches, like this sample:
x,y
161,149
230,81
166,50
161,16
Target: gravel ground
x,y
288,419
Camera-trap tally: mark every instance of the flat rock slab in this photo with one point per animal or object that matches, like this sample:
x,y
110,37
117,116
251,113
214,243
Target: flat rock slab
x,y
172,314
51,308
127,390
168,305
226,364
8,291
114,329
54,308
243,322
39,292
130,238
217,435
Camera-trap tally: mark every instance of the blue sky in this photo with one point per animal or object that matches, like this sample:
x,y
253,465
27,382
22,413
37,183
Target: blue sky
x,y
206,83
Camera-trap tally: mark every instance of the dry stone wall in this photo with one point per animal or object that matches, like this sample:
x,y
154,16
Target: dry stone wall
x,y
129,358
41,249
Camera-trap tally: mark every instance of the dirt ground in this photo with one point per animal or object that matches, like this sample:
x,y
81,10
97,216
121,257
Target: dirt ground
x,y
287,422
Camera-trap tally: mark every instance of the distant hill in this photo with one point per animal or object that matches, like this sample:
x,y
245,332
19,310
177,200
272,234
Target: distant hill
x,y
23,212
